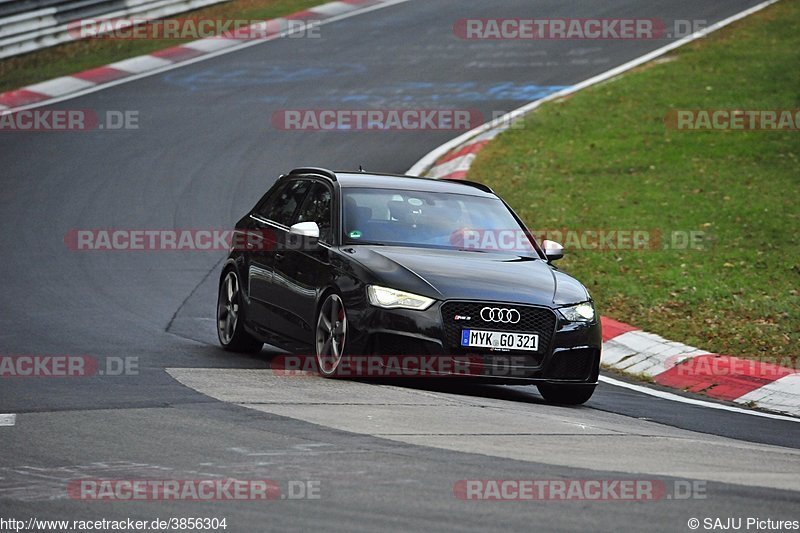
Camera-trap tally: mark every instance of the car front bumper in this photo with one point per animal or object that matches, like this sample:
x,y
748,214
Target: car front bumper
x,y
569,351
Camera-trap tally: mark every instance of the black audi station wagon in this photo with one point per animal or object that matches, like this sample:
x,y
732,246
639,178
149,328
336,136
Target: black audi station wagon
x,y
361,264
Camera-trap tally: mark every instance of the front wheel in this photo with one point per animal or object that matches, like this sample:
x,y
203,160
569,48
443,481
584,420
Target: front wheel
x,y
331,335
566,394
230,325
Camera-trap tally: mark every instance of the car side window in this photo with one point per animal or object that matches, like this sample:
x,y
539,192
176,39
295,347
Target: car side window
x,y
317,208
281,207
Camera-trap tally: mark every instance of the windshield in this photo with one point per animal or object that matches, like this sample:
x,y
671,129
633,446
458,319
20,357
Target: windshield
x,y
441,220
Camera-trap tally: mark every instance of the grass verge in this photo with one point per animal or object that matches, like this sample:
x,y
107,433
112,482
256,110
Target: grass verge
x,y
69,58
604,159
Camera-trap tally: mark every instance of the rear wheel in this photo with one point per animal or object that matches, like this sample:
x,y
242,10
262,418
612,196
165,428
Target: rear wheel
x,y
331,335
230,325
566,394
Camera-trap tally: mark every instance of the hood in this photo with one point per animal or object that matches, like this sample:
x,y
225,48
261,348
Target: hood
x,y
469,275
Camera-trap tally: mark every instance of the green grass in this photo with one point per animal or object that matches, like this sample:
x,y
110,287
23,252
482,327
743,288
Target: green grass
x,y
603,159
69,58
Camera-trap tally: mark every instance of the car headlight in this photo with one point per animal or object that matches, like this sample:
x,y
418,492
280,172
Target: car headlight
x,y
394,299
579,313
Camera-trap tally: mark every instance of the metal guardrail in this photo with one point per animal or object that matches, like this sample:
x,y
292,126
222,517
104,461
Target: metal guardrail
x,y
28,25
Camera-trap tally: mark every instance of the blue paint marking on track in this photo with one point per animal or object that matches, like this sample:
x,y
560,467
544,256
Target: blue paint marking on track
x,y
401,94
219,78
432,93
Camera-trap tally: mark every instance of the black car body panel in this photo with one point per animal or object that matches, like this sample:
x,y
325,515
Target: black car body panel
x,y
472,275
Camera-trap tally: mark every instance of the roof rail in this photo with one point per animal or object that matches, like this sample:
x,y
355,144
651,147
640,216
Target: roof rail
x,y
475,184
314,170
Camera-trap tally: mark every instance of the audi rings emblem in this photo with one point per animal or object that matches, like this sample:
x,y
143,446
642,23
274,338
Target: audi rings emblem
x,y
504,316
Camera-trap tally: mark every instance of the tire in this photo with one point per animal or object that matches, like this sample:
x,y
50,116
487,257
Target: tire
x,y
566,394
330,335
230,324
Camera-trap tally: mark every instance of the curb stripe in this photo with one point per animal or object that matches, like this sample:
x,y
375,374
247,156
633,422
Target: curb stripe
x,y
332,9
472,148
306,14
692,401
613,328
458,164
722,376
780,395
459,175
177,53
211,44
20,97
60,86
101,74
139,64
641,352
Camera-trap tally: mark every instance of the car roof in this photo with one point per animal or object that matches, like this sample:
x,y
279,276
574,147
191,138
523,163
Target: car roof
x,y
369,180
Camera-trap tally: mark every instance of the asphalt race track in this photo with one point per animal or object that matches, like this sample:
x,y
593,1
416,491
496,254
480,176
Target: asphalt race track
x,y
385,455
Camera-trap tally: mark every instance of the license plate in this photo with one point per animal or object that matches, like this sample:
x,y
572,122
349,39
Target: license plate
x,y
476,338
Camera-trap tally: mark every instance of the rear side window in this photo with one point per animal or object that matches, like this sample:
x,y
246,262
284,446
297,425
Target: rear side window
x,y
317,208
281,206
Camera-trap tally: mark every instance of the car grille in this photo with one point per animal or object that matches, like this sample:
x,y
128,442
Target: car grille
x,y
538,320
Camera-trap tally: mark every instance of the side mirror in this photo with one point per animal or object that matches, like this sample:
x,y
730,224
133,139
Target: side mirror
x,y
303,236
553,250
305,229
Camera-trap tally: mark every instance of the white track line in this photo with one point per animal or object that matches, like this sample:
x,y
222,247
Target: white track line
x,y
172,66
8,420
430,159
691,401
